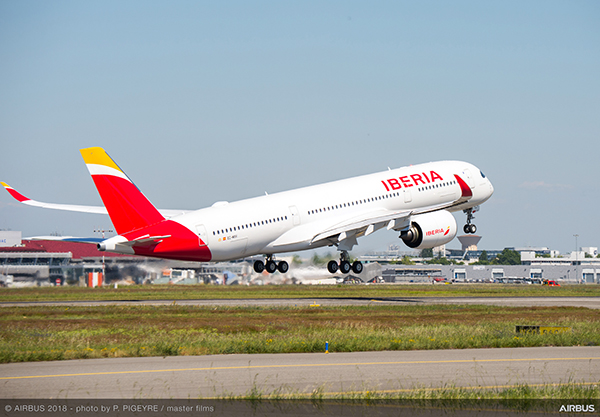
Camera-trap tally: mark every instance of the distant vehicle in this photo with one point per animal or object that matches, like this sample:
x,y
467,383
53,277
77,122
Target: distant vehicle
x,y
551,283
415,201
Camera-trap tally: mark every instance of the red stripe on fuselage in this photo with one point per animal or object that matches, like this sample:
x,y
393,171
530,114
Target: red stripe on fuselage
x,y
183,244
464,188
127,207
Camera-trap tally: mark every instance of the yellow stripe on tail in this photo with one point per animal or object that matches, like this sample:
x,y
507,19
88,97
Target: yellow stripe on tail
x,y
98,156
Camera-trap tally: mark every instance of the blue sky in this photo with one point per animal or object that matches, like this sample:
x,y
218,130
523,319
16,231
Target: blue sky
x,y
207,101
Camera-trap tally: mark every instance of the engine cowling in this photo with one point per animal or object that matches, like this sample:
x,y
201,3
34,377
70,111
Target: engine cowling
x,y
430,230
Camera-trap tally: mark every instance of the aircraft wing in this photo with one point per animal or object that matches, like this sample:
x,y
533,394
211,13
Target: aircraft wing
x,y
366,224
346,231
70,207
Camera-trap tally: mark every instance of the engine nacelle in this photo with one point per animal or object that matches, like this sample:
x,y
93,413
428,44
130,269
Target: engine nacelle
x,y
430,230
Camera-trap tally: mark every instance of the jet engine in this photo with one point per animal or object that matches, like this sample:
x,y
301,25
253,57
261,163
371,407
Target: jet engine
x,y
430,230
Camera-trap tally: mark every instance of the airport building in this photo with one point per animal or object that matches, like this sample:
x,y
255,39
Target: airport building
x,y
59,262
508,274
537,264
27,262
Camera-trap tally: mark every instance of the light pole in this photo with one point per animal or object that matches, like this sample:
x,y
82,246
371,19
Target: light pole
x,y
576,258
103,267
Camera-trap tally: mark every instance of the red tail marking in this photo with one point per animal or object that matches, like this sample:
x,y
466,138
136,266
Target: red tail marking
x,y
127,207
183,244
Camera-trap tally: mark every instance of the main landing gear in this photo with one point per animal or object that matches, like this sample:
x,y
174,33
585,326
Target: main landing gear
x,y
470,228
271,266
344,266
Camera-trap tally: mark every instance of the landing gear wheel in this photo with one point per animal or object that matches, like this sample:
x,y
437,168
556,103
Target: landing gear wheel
x,y
344,267
332,267
271,267
469,227
357,267
283,267
259,266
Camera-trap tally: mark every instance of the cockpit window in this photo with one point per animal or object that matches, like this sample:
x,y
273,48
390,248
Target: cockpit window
x,y
482,174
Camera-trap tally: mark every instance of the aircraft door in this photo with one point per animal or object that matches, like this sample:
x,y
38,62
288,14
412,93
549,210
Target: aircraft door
x,y
469,178
237,246
407,196
201,232
295,215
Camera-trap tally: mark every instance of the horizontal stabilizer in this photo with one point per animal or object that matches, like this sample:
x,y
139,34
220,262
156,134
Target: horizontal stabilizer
x,y
146,240
94,240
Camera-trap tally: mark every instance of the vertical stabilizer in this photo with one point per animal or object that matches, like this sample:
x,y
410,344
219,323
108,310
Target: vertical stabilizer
x,y
127,207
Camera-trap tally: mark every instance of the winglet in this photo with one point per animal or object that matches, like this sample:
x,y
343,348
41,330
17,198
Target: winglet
x,y
16,195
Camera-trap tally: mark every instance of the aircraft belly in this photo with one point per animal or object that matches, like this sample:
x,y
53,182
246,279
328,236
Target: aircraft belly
x,y
232,248
292,247
236,246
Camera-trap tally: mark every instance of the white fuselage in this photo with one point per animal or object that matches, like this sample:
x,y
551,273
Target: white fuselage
x,y
287,221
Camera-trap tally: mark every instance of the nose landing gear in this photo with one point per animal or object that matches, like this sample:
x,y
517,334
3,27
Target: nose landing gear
x,y
469,227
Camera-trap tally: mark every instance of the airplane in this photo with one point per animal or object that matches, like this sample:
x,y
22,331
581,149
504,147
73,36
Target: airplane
x,y
415,201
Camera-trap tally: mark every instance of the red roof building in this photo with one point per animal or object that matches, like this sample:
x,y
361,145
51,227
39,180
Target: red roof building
x,y
79,250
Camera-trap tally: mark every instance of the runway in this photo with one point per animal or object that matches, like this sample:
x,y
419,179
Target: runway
x,y
226,375
587,302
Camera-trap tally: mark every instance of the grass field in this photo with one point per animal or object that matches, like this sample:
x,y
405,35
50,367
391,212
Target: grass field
x,y
182,292
34,333
437,397
56,333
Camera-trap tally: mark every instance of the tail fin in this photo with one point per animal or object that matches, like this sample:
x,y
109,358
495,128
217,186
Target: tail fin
x,y
127,207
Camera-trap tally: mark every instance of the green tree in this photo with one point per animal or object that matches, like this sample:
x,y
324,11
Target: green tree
x,y
407,261
507,257
321,260
484,256
316,259
483,259
427,253
438,261
296,260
